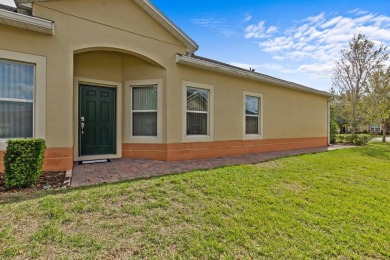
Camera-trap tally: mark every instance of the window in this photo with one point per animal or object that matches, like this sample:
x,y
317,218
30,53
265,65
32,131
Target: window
x,y
197,111
375,128
16,99
22,96
144,110
253,115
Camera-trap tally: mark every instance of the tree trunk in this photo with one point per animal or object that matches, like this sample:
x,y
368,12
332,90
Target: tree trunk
x,y
384,134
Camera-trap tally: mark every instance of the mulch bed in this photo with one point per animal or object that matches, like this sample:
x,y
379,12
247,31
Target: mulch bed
x,y
47,181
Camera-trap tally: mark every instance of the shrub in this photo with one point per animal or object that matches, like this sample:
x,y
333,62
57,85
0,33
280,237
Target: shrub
x,y
340,138
334,128
360,139
348,138
23,161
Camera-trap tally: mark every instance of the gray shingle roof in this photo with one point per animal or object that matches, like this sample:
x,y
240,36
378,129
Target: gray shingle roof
x,y
237,71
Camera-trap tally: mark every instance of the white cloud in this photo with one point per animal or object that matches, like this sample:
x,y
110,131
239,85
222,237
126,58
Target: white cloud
x,y
248,17
357,11
314,43
259,31
319,70
272,29
277,57
315,19
215,24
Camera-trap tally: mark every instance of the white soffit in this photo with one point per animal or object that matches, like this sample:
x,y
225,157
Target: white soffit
x,y
153,11
242,73
26,22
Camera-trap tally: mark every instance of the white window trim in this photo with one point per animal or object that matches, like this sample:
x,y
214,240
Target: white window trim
x,y
39,112
261,116
129,138
210,124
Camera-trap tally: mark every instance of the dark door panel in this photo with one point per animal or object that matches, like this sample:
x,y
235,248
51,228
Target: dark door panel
x,y
97,120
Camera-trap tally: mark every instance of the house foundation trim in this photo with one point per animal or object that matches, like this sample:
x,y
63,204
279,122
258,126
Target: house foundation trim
x,y
203,150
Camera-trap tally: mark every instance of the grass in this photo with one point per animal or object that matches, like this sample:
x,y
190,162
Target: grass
x,y
327,205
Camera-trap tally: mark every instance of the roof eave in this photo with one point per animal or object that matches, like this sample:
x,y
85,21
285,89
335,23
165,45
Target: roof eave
x,y
153,11
26,22
193,62
171,27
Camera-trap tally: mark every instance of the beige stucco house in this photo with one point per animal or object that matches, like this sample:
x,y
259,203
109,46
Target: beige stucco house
x,y
110,79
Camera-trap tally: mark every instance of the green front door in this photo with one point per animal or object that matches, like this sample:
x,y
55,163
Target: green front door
x,y
97,120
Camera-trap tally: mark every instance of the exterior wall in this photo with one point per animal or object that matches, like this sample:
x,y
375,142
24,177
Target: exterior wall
x,y
90,42
291,119
84,25
287,113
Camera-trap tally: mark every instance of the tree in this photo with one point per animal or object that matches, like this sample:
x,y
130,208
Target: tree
x,y
378,98
334,126
351,77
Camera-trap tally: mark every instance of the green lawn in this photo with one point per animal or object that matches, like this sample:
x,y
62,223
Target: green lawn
x,y
328,205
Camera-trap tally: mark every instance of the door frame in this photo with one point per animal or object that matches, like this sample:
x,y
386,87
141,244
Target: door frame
x,y
76,121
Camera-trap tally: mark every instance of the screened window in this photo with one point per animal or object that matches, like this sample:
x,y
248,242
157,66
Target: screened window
x,y
197,111
16,99
144,110
252,115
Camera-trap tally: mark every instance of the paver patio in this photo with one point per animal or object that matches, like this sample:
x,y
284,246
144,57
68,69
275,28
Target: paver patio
x,y
126,169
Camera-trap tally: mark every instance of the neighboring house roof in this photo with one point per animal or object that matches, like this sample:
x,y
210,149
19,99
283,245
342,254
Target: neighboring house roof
x,y
8,8
213,65
153,11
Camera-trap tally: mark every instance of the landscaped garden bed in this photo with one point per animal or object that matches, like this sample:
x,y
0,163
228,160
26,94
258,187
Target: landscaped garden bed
x,y
349,139
47,180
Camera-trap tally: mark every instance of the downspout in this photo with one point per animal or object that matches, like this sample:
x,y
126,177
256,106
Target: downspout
x,y
329,122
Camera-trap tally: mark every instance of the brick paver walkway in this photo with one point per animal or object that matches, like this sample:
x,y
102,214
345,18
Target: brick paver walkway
x,y
126,169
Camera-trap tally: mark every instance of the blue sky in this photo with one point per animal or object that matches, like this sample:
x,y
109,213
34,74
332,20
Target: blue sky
x,y
296,40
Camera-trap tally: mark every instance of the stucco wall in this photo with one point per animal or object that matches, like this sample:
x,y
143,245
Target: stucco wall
x,y
83,25
287,113
104,41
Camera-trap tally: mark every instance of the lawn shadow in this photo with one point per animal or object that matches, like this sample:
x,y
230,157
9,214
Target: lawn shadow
x,y
375,150
12,198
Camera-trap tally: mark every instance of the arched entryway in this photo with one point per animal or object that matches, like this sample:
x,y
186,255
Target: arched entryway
x,y
103,82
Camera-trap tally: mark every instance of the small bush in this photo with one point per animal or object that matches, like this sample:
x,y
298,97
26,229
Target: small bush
x,y
23,161
360,139
334,128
